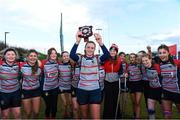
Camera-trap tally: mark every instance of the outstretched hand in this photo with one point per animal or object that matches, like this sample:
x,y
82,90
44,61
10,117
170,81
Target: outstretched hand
x,y
98,38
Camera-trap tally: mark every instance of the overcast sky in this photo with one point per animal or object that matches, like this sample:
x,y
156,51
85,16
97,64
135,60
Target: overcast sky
x,y
131,24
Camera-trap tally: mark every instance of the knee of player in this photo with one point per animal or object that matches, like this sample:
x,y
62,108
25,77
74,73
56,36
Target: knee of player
x,y
75,109
137,103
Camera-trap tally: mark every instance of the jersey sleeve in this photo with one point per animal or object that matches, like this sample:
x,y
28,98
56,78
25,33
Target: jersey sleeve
x,y
73,54
1,62
126,66
105,55
21,64
42,63
177,63
157,68
120,72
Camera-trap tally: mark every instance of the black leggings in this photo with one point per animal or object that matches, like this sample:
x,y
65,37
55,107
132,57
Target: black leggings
x,y
51,105
110,100
146,91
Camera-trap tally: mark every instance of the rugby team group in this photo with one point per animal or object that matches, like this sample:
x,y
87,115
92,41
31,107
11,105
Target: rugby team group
x,y
83,81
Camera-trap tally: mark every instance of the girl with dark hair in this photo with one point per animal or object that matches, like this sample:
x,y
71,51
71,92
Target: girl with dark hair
x,y
31,71
135,84
170,81
50,83
88,91
154,90
112,68
65,78
9,85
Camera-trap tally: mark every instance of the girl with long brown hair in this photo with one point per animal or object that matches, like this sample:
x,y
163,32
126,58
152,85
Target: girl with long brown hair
x,y
50,83
135,84
31,93
170,81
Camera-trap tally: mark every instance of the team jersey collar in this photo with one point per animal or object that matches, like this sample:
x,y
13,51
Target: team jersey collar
x,y
89,58
52,61
30,64
165,62
66,63
9,64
